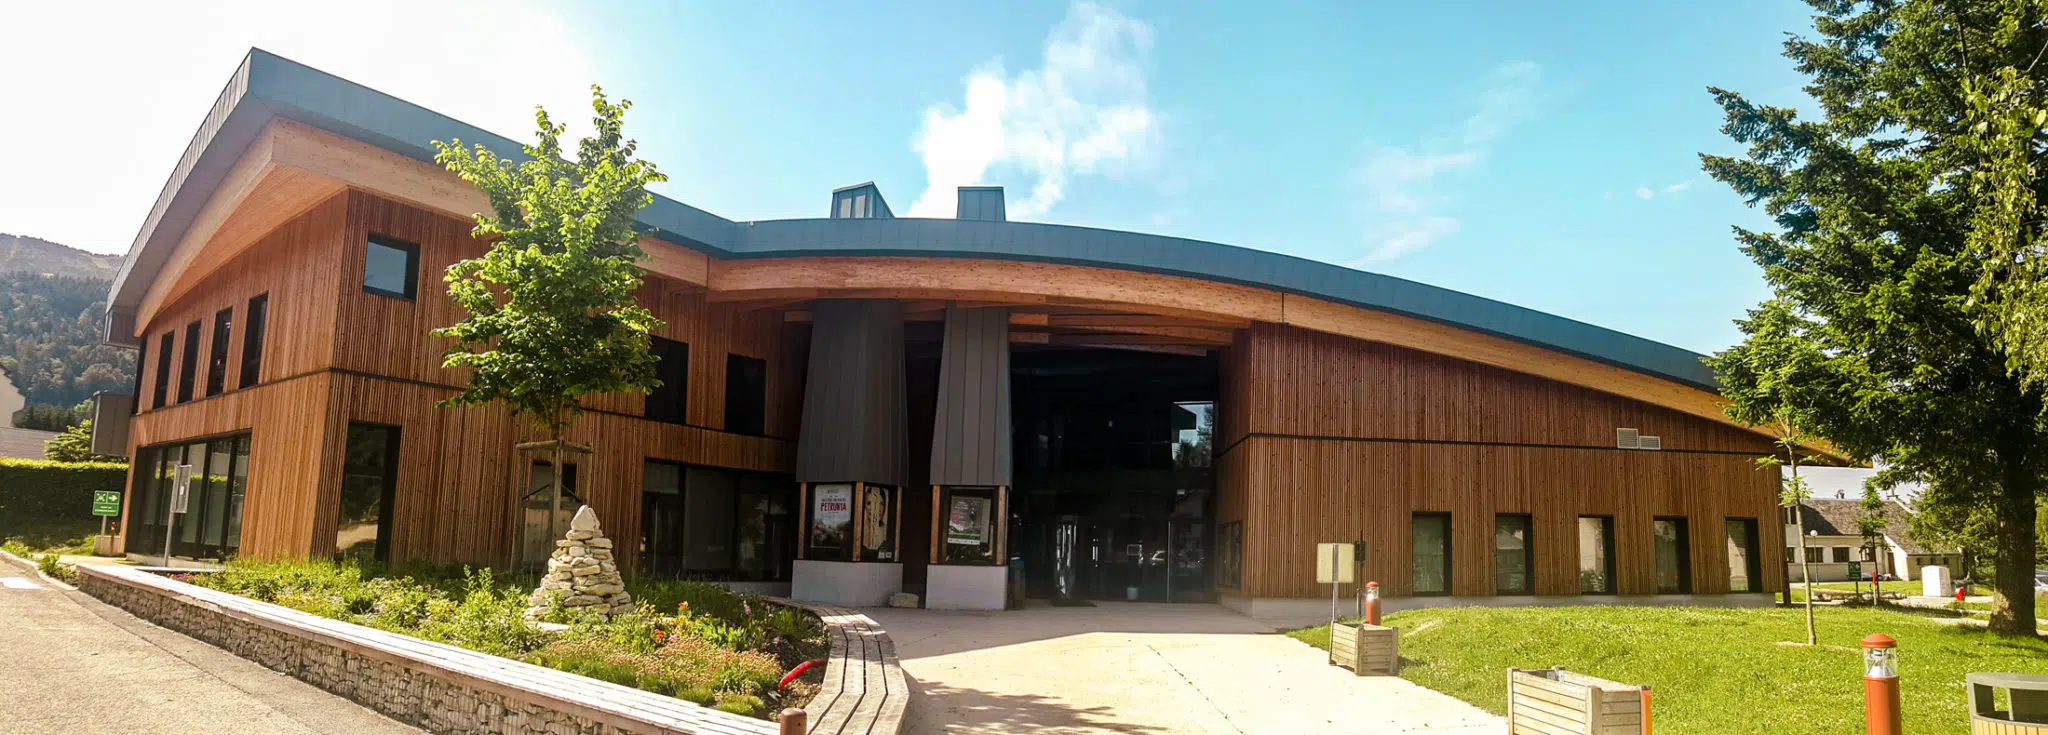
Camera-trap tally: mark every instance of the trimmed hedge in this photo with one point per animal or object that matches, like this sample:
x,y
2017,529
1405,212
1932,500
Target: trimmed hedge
x,y
53,499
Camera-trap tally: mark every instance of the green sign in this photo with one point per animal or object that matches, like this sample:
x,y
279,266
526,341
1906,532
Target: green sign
x,y
106,503
1855,570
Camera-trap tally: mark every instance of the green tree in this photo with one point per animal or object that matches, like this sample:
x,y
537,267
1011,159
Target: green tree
x,y
1792,493
551,314
1873,267
75,445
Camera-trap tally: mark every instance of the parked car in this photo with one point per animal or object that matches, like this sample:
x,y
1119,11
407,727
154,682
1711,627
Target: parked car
x,y
2041,581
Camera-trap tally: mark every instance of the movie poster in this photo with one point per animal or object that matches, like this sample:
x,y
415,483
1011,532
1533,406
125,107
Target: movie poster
x,y
967,523
831,515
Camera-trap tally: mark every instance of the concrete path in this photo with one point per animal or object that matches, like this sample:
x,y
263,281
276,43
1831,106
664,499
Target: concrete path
x,y
70,663
1145,668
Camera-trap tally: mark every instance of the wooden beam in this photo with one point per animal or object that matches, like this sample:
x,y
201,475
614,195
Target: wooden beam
x,y
1191,334
1140,320
1129,339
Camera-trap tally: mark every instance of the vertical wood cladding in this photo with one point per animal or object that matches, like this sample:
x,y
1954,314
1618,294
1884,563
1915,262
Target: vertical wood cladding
x,y
335,354
1343,440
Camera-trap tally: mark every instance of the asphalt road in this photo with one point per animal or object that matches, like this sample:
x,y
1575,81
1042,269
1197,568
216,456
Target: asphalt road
x,y
72,664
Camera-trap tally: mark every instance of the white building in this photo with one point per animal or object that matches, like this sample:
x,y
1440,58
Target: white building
x,y
1834,539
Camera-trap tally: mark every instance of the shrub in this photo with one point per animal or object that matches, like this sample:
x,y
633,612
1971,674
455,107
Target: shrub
x,y
50,503
55,569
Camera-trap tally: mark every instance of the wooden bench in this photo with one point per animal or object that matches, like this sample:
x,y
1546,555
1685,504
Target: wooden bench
x,y
865,691
435,686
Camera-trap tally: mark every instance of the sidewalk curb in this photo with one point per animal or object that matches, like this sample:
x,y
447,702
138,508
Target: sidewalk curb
x,y
36,569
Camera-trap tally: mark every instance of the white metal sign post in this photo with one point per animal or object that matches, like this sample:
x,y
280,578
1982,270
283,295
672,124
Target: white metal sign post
x,y
1333,567
181,493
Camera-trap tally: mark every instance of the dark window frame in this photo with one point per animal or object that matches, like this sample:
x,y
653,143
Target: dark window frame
x,y
188,362
412,267
1528,554
746,407
1684,527
741,480
141,367
255,317
1607,533
217,351
1449,563
1753,565
165,345
669,403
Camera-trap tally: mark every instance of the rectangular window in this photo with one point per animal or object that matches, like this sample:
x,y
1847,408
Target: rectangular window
x,y
1816,555
1432,553
369,479
163,371
188,365
1674,555
1745,566
217,359
746,394
1841,554
252,339
391,268
141,368
1596,555
707,523
1512,556
211,526
669,403
969,527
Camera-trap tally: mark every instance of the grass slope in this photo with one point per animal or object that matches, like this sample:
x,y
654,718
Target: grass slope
x,y
1714,671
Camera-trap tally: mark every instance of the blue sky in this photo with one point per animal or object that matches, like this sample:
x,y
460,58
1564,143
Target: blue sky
x,y
1540,154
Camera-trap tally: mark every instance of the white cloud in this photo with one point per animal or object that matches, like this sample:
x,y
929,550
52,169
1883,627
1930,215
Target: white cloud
x,y
1082,112
1401,186
1678,187
1609,196
93,130
1643,191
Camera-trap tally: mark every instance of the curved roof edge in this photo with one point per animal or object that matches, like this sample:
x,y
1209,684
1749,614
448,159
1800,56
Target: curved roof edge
x,y
267,85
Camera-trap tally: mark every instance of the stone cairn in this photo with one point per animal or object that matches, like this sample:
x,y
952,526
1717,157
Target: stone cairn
x,y
581,573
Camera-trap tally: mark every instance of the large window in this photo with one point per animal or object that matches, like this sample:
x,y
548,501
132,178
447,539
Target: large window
x,y
211,526
1841,554
1512,556
1432,536
670,402
163,371
1816,555
1596,555
1745,566
369,479
141,367
746,394
217,360
1674,555
712,523
391,268
252,339
188,364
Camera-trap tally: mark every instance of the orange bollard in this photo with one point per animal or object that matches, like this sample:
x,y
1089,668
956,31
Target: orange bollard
x,y
1881,715
1372,603
1646,710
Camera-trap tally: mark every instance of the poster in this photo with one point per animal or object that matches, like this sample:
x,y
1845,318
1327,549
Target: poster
x,y
967,522
831,515
875,516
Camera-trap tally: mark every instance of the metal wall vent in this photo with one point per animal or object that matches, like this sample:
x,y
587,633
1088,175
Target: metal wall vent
x,y
1628,439
1649,442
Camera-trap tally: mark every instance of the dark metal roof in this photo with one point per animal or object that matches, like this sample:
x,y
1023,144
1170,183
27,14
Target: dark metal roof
x,y
267,85
1831,517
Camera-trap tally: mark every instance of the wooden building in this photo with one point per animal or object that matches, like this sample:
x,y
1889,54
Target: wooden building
x,y
973,409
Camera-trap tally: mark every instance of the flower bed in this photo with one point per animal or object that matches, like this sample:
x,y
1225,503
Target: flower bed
x,y
694,641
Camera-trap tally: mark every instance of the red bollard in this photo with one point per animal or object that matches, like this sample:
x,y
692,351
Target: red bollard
x,y
1372,603
1881,715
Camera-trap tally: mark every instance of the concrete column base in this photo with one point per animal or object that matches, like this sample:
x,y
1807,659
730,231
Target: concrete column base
x,y
949,587
843,583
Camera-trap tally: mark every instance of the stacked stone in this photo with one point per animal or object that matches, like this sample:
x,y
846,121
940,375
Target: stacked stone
x,y
581,573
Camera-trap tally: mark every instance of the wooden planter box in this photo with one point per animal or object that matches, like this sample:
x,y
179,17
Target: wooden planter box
x,y
1366,649
1559,702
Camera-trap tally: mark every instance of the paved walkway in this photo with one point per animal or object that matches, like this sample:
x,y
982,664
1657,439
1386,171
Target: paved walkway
x,y
70,663
1145,668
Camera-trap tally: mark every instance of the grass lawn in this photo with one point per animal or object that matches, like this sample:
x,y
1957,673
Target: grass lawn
x,y
1714,671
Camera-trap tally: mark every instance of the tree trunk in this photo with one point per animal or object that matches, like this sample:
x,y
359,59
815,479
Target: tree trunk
x,y
1805,571
2012,604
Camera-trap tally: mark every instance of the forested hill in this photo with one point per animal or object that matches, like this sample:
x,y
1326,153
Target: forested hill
x,y
35,255
51,301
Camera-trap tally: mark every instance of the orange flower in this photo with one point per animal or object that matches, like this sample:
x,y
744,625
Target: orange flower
x,y
660,636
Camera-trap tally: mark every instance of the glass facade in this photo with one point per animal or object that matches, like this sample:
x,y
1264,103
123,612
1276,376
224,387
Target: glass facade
x,y
1596,555
1512,556
709,523
1744,565
211,526
1674,555
1432,536
369,479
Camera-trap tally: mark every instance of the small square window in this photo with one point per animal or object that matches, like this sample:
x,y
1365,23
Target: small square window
x,y
391,268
